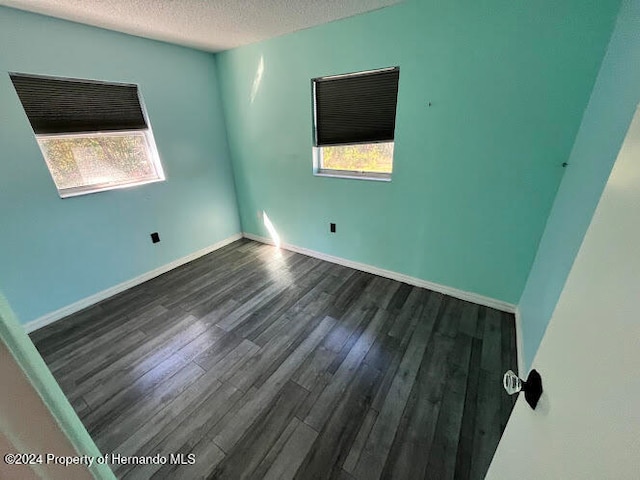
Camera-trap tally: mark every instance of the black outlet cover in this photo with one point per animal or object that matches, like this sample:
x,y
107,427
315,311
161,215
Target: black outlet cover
x,y
332,227
155,238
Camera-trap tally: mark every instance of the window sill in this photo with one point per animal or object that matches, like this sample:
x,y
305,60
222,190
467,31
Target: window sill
x,y
376,177
80,191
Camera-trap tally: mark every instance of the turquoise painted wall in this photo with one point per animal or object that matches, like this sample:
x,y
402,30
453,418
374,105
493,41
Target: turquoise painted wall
x,y
474,175
54,252
606,120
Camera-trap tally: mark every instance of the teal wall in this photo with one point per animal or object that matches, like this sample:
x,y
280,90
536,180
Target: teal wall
x,y
613,102
54,252
474,175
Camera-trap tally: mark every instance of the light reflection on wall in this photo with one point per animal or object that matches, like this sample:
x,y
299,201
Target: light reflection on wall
x,y
278,264
257,79
271,229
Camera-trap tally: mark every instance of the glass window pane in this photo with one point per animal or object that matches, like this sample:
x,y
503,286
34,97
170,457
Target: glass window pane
x,y
370,157
100,160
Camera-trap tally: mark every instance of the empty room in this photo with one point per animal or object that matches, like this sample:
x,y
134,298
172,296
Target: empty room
x,y
315,239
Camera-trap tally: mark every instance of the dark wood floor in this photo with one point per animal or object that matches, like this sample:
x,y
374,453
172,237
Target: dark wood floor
x,y
270,364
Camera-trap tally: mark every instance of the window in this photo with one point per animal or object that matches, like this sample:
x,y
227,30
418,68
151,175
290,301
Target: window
x,y
354,124
94,136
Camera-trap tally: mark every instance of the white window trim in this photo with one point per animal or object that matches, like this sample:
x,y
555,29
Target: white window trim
x,y
103,187
318,171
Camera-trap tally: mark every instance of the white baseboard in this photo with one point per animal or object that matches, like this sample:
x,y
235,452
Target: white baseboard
x,y
520,345
49,318
418,282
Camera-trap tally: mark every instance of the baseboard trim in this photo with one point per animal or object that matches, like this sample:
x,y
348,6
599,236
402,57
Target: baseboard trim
x,y
52,317
418,282
520,344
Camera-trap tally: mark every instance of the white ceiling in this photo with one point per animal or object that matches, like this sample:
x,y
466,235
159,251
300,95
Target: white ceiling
x,y
212,25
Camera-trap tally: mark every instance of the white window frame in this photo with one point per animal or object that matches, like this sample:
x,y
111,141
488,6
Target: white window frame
x,y
152,155
318,169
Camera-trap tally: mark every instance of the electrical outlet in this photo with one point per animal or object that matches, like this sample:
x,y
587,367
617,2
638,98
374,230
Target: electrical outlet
x,y
332,227
155,238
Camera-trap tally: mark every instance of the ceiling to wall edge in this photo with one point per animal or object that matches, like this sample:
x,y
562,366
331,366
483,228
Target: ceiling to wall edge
x,y
212,26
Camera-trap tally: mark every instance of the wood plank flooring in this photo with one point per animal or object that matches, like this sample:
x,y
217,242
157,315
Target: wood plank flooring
x,y
270,364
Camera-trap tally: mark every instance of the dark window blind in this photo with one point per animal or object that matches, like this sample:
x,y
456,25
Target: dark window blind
x,y
358,108
56,105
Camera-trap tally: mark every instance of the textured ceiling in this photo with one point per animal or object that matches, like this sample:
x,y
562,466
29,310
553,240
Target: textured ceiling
x,y
212,25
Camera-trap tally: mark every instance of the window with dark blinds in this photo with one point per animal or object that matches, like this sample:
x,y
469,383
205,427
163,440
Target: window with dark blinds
x,y
356,108
56,105
94,136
